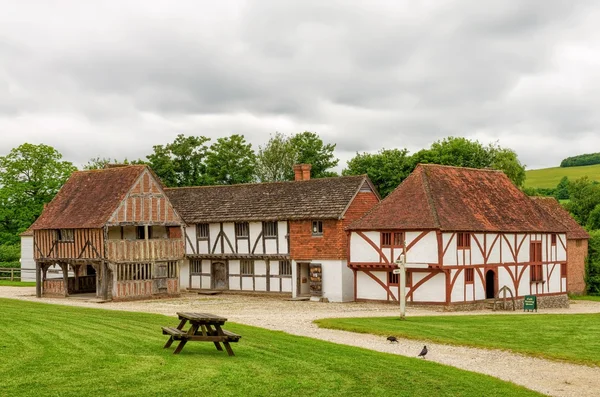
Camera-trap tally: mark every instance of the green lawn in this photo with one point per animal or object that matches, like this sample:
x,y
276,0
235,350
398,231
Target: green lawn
x,y
569,337
70,351
585,298
4,283
549,177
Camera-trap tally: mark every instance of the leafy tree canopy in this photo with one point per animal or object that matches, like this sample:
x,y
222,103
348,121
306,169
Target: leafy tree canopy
x,y
386,169
584,197
310,149
275,160
30,175
182,162
562,189
231,160
582,159
98,163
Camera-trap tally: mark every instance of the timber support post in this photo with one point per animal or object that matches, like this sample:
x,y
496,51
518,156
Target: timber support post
x,y
65,271
38,280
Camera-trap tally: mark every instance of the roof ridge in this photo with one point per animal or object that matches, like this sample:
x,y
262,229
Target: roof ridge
x,y
430,201
432,165
267,183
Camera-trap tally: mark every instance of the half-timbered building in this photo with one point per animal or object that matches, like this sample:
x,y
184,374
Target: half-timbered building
x,y
116,230
577,243
465,234
285,237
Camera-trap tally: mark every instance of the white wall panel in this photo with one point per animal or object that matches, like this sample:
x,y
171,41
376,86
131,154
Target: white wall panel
x,y
367,288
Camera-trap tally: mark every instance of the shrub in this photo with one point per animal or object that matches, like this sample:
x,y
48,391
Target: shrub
x,y
10,253
593,264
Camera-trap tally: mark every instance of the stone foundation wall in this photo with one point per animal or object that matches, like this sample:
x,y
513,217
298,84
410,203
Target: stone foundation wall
x,y
544,302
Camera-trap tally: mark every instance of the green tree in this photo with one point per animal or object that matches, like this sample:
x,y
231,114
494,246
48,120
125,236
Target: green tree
x,y
462,152
230,160
311,150
593,221
592,276
182,162
562,189
30,176
584,197
276,159
386,169
98,163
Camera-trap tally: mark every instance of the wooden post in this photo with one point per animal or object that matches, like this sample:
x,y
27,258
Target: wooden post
x,y
65,270
12,274
104,272
76,271
38,280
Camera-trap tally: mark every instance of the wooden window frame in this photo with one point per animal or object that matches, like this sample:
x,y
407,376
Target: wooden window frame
x,y
553,239
140,233
535,251
463,241
536,273
409,282
285,268
242,230
244,265
563,270
202,231
469,276
392,239
317,228
266,225
393,279
65,235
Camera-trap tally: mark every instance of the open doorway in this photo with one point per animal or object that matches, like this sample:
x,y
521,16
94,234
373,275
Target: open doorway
x,y
303,282
490,284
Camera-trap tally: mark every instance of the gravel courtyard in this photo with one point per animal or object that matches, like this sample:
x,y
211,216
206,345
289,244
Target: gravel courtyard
x,y
275,313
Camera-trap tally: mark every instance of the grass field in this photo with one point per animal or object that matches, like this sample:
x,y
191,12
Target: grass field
x,y
69,351
5,283
572,337
549,177
585,298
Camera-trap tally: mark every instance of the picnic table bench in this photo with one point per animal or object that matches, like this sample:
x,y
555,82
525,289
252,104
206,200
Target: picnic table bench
x,y
204,327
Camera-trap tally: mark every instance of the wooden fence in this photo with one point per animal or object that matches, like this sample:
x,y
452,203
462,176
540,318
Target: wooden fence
x,y
10,273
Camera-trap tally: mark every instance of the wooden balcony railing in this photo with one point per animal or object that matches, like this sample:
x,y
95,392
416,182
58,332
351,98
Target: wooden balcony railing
x,y
145,250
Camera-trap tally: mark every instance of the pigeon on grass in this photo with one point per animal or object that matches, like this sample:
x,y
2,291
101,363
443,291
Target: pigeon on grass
x,y
423,352
392,339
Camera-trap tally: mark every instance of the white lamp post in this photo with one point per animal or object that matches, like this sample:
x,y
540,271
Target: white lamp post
x,y
401,262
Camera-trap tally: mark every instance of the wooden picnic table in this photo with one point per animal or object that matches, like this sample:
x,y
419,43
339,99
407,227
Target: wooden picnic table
x,y
204,327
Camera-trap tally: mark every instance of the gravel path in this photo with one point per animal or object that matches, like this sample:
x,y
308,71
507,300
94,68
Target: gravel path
x,y
545,376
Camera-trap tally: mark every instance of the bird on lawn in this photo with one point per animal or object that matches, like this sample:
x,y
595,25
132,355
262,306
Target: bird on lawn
x,y
423,352
392,339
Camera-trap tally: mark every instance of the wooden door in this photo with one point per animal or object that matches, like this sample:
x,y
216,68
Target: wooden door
x,y
219,275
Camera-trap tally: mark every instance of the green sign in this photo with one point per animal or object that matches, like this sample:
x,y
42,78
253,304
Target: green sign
x,y
530,303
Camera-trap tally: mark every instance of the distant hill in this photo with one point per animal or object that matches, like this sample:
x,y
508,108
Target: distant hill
x,y
549,177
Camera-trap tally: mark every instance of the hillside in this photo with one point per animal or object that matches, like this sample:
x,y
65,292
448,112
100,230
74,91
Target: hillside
x,y
549,177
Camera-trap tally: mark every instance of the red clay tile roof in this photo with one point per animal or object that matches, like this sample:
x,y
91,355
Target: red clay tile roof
x,y
88,199
553,207
457,199
323,198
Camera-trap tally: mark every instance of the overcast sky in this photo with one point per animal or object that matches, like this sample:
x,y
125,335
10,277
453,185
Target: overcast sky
x,y
114,78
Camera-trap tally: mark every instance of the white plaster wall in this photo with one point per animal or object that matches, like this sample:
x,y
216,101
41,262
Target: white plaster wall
x,y
247,284
281,235
504,278
206,266
450,255
561,252
476,254
553,282
213,231
271,246
255,230
524,252
184,275
338,280
494,252
293,286
458,293
260,267
479,288
205,282
361,251
367,288
433,290
234,267
286,284
190,231
260,284
234,283
229,230
27,262
424,251
525,281
274,268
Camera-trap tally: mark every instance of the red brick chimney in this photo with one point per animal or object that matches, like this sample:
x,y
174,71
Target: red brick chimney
x,y
302,172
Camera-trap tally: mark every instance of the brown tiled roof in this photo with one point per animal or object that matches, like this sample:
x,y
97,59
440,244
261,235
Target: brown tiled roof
x,y
457,199
88,199
553,207
323,198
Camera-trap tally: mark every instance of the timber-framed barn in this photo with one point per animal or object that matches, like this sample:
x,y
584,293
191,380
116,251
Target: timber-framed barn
x,y
282,237
115,231
465,234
